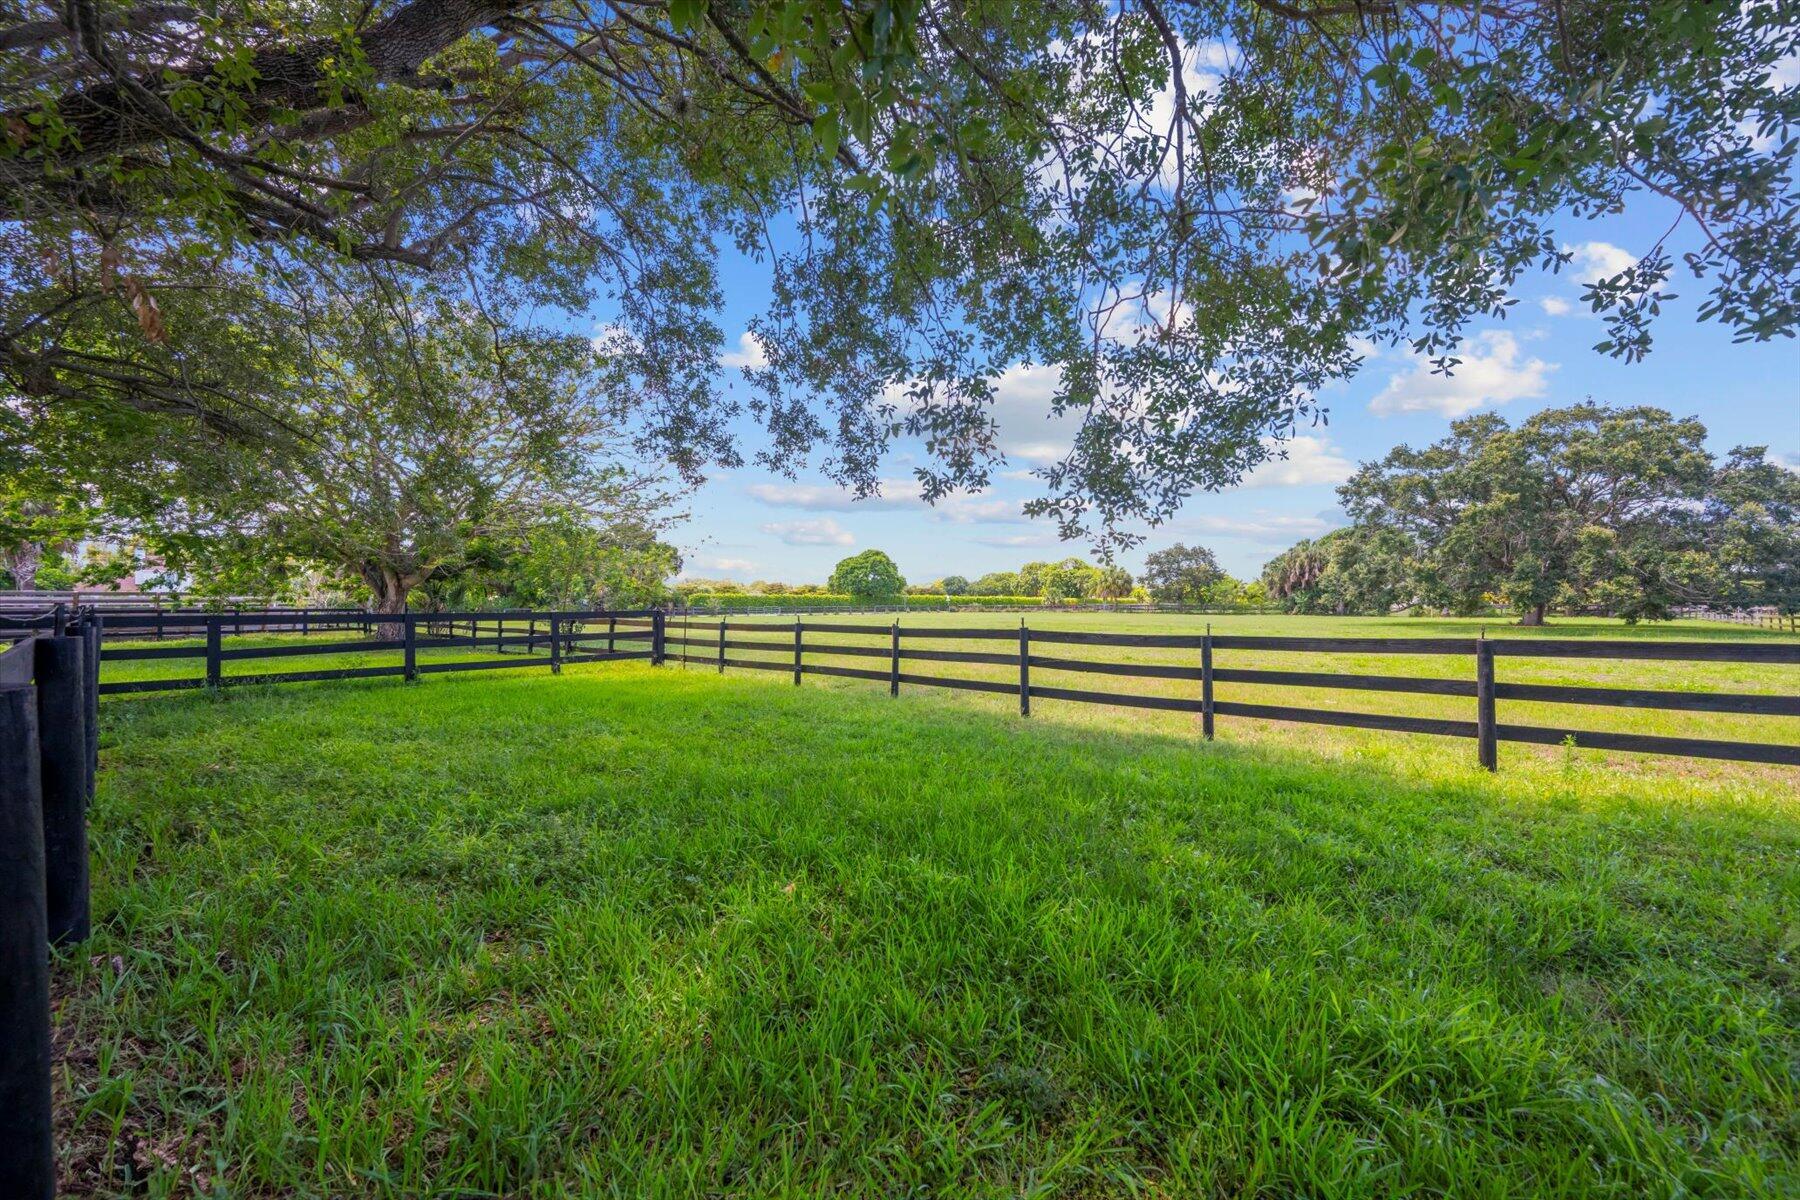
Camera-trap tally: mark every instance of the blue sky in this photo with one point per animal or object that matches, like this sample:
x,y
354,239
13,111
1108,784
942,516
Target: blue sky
x,y
751,524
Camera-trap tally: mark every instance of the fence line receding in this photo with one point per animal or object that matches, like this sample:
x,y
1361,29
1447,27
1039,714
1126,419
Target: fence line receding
x,y
906,654
710,642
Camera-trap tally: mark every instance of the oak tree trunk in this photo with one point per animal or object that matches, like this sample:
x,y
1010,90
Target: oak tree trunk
x,y
22,563
389,590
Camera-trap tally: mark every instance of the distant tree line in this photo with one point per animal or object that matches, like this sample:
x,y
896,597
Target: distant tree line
x,y
1056,582
1178,575
1592,509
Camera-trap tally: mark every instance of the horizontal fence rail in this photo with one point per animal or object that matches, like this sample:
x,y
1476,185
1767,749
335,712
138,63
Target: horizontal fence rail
x,y
711,643
914,656
516,639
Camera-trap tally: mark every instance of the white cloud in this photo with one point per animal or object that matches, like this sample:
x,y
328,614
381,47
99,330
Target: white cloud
x,y
1298,199
1017,541
1601,260
962,508
1492,372
1790,461
750,353
734,565
895,493
822,532
1204,67
1021,409
968,510
1026,429
1260,524
1203,71
1310,461
1555,306
1041,453
1786,73
613,338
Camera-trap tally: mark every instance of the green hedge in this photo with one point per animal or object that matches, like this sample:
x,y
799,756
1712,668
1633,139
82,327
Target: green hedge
x,y
998,601
738,600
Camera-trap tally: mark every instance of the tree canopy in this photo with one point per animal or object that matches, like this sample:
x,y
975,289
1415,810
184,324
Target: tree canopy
x,y
870,575
422,446
39,521
1181,574
1190,209
1588,507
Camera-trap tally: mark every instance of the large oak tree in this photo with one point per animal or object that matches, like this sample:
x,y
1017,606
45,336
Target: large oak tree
x,y
1190,207
426,444
1620,510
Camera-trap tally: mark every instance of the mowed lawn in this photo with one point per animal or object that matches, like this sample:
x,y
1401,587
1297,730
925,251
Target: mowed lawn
x,y
654,931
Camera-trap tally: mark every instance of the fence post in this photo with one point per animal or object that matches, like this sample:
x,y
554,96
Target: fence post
x,y
894,663
555,645
62,753
1024,669
1206,685
531,636
95,628
656,639
797,626
1487,743
410,652
721,645
214,630
159,619
28,1157
612,624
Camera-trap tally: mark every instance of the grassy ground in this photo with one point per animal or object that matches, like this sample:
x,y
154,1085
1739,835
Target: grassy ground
x,y
656,932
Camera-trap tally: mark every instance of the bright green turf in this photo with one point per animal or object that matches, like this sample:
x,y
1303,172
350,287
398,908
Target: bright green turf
x,y
648,931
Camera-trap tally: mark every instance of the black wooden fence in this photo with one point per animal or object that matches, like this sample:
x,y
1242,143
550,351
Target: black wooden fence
x,y
710,642
49,751
517,639
552,639
159,622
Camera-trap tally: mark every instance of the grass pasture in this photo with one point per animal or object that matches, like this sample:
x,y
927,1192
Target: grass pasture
x,y
656,932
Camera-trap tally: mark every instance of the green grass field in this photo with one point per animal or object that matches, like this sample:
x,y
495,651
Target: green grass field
x,y
657,932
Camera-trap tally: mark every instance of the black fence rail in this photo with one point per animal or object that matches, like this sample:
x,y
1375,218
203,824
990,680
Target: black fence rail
x,y
518,639
158,624
906,654
802,644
